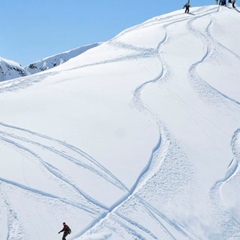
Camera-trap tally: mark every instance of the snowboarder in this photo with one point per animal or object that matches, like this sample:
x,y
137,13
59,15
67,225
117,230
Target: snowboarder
x,y
66,230
187,6
233,3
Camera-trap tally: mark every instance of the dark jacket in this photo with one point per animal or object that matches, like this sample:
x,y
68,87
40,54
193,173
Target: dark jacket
x,y
66,229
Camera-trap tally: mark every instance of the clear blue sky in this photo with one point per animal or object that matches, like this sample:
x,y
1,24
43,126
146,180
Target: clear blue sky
x,y
32,30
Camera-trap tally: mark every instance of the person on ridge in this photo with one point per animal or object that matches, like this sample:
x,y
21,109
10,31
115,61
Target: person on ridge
x,y
66,230
233,3
222,3
187,6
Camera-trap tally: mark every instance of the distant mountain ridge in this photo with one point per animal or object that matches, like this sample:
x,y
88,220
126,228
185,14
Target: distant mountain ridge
x,y
10,69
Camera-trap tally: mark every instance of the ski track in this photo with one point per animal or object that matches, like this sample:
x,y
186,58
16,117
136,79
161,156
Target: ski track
x,y
13,140
95,167
233,172
205,89
99,170
12,218
146,174
53,171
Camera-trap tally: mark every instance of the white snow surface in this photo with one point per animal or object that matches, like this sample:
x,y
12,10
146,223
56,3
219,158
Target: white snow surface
x,y
138,138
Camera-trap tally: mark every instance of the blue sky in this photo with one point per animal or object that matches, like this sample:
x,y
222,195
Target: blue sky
x,y
32,30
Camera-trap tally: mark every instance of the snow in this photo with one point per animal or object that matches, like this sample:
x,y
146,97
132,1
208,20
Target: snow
x,y
10,69
137,138
57,59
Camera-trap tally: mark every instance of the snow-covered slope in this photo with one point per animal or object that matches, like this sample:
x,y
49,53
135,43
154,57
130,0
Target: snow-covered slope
x,y
138,138
10,69
55,60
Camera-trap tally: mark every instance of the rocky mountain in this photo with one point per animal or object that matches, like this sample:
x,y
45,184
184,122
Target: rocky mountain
x,y
58,59
10,69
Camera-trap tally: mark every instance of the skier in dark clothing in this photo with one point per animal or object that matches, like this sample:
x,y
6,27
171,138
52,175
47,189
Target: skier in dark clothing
x,y
222,3
233,3
187,6
66,230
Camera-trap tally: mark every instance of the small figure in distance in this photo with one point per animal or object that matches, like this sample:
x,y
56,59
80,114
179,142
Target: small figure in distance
x,y
66,230
222,3
233,3
187,6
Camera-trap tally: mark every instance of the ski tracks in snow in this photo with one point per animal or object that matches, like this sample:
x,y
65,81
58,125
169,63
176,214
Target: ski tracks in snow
x,y
35,144
38,148
167,226
210,94
212,53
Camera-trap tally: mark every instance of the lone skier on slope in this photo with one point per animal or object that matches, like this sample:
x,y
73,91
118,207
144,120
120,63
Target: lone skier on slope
x,y
187,6
66,230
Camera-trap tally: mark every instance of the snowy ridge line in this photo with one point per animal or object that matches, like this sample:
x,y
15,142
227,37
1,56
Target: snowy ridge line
x,y
54,173
66,157
210,49
145,53
161,20
12,218
107,174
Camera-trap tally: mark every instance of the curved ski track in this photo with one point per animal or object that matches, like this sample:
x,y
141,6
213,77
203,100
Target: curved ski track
x,y
133,228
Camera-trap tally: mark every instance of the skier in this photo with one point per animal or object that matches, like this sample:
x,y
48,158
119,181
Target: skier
x,y
233,3
187,6
66,230
222,3
217,2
